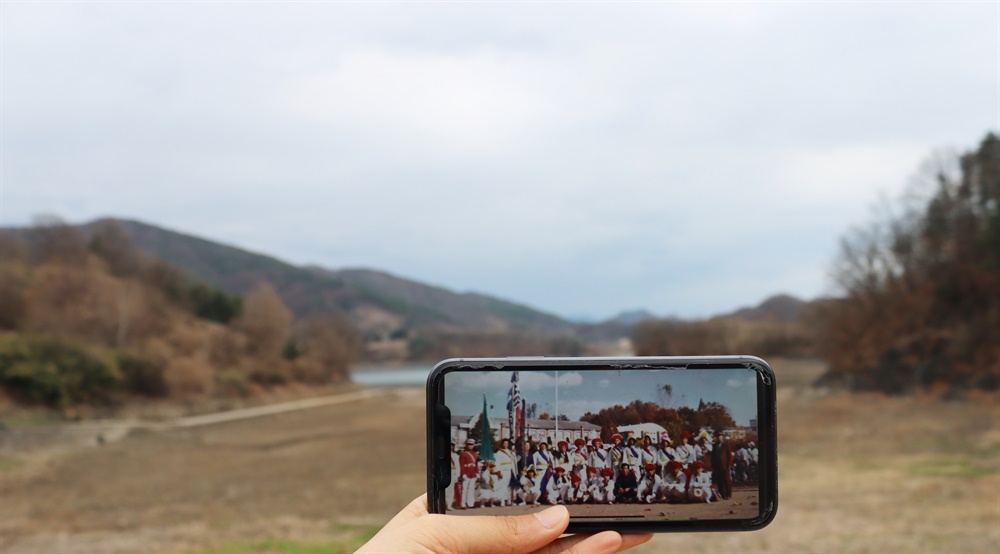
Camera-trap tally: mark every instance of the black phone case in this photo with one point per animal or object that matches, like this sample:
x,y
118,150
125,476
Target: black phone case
x,y
438,432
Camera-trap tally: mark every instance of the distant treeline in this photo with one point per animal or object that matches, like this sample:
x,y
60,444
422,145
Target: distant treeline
x,y
922,284
725,335
87,318
676,421
920,302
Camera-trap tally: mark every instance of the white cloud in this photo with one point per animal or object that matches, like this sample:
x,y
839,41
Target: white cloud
x,y
579,158
604,383
398,99
574,409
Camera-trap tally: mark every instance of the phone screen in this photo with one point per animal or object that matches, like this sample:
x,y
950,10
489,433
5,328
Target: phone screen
x,y
611,444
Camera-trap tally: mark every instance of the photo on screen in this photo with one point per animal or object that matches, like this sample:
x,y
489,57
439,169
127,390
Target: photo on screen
x,y
664,444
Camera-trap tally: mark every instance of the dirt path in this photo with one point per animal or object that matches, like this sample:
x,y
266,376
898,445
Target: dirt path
x,y
743,504
857,473
295,473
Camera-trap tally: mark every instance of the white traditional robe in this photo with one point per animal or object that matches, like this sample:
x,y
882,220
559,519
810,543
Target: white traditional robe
x,y
675,486
651,488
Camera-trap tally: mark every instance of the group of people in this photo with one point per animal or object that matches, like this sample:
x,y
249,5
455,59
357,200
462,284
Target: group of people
x,y
626,471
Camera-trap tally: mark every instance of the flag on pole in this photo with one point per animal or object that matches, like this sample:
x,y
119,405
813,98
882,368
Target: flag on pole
x,y
513,403
486,444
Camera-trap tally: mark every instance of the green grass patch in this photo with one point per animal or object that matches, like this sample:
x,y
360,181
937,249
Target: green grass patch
x,y
33,419
960,468
348,539
273,547
9,464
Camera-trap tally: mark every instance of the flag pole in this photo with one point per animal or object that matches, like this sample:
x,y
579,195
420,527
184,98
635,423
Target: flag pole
x,y
557,405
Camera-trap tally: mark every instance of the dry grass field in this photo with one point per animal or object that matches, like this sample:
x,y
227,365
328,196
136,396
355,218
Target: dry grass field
x,y
857,473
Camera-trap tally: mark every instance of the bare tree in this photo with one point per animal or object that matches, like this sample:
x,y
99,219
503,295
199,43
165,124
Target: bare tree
x,y
59,242
266,322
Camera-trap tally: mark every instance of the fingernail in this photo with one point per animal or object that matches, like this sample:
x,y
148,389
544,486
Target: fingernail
x,y
552,516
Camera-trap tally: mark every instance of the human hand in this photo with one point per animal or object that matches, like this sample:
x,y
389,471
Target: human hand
x,y
416,530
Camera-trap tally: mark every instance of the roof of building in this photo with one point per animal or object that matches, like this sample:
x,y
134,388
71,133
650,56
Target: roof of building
x,y
640,428
459,421
568,425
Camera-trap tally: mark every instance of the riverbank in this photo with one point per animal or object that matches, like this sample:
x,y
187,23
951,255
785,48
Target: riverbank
x,y
136,411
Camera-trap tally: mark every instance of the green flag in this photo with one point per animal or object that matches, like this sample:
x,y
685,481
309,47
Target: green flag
x,y
486,446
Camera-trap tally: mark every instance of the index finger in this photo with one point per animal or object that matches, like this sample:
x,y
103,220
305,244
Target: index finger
x,y
412,511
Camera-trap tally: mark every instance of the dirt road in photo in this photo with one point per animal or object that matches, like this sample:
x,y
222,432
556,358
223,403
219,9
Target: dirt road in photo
x,y
743,504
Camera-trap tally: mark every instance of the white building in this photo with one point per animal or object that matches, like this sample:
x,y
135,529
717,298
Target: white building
x,y
537,429
640,430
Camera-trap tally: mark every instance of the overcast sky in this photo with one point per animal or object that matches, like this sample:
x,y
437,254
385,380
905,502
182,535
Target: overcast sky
x,y
581,158
592,391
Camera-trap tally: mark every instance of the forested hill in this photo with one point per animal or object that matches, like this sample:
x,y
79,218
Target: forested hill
x,y
374,300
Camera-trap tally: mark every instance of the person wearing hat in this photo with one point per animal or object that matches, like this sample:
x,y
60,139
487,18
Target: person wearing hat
x,y
575,493
722,464
630,455
578,459
555,492
741,469
685,452
617,452
700,484
456,474
470,474
602,490
543,465
650,486
703,446
599,458
675,483
506,463
647,450
593,477
525,454
626,485
488,480
752,467
530,487
664,455
561,457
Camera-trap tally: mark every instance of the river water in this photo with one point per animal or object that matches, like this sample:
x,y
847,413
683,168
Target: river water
x,y
401,376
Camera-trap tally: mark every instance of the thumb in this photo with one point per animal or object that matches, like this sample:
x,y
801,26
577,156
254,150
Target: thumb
x,y
489,534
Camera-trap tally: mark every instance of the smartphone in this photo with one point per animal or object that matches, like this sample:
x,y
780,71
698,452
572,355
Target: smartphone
x,y
637,444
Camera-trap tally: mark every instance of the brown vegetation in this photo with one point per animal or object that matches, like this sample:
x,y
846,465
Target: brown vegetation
x,y
723,335
675,421
89,319
922,287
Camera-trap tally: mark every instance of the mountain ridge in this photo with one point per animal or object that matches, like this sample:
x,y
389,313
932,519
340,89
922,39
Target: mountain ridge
x,y
375,300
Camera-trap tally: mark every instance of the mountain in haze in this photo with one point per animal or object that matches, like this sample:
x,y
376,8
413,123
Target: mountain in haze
x,y
631,317
780,307
374,300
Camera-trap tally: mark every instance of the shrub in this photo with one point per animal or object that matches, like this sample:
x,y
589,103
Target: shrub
x,y
142,376
188,376
233,383
56,372
214,304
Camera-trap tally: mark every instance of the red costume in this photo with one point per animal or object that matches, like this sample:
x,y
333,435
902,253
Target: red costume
x,y
468,462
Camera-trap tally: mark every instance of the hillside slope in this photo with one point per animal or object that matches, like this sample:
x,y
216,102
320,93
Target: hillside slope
x,y
374,300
